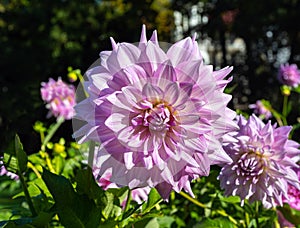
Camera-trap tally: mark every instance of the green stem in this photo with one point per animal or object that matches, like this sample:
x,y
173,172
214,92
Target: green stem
x,y
51,132
129,197
284,109
27,196
81,79
31,166
42,135
247,219
257,214
194,201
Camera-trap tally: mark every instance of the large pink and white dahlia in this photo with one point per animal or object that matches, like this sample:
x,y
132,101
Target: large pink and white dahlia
x,y
264,163
160,117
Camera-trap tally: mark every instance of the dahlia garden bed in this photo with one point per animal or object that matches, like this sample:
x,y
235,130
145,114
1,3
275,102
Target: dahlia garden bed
x,y
155,144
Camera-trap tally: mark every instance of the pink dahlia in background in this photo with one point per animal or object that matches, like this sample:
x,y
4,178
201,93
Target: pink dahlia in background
x,y
261,109
289,75
160,117
5,172
293,195
60,98
263,164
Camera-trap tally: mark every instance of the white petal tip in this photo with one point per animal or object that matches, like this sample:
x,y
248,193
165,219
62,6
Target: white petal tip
x,y
113,44
194,36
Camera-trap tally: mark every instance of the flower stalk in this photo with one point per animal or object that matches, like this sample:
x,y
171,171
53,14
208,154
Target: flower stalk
x,y
27,195
51,132
191,199
285,109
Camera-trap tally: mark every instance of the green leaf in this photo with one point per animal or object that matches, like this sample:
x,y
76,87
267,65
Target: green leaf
x,y
217,222
10,162
153,223
58,163
86,184
230,199
109,205
15,159
21,155
42,219
290,214
73,209
18,223
165,222
297,89
118,192
153,199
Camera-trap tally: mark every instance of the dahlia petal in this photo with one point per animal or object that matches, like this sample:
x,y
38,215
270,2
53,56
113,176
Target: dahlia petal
x,y
164,190
222,73
143,39
189,159
103,57
186,87
151,58
165,72
188,119
115,122
148,162
154,38
152,92
184,50
128,159
194,37
197,144
136,76
113,44
117,100
124,56
171,93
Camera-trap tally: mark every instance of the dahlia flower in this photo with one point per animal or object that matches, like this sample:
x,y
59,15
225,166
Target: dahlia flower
x,y
261,109
263,164
5,172
289,75
60,98
160,117
293,195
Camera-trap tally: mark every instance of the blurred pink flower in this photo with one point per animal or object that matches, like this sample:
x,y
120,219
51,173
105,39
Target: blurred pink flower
x,y
160,117
263,164
293,198
228,17
4,172
261,110
289,75
60,98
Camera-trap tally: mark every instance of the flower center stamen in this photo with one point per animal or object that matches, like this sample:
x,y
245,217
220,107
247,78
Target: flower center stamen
x,y
157,119
251,164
